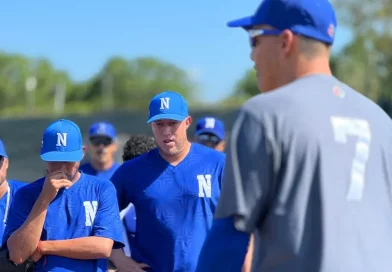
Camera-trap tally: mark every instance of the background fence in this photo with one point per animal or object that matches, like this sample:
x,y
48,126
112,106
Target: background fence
x,y
23,137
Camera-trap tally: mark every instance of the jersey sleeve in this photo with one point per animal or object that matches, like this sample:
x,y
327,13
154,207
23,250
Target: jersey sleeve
x,y
221,171
120,180
20,208
107,221
248,174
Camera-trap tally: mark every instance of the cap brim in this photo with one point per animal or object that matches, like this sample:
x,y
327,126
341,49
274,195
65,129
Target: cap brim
x,y
59,156
175,117
102,135
207,130
245,22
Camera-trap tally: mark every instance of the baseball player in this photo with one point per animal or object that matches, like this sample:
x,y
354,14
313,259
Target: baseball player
x,y
67,220
8,188
174,188
309,168
102,147
210,132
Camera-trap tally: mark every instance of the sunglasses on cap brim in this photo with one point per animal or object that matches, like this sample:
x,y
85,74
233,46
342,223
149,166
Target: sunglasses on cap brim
x,y
254,33
97,141
208,138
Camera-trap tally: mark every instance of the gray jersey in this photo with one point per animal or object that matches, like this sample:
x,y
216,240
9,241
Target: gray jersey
x,y
309,172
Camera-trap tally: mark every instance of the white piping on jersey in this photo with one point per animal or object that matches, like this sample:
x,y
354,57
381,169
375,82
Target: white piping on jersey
x,y
7,205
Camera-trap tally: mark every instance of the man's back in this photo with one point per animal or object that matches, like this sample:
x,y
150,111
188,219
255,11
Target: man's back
x,y
330,203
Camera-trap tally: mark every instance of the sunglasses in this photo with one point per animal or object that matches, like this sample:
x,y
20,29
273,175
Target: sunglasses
x,y
208,139
97,141
254,33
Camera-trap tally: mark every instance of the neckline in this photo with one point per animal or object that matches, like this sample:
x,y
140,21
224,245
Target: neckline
x,y
173,167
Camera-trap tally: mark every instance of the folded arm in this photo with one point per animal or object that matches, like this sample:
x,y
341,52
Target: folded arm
x,y
24,240
86,248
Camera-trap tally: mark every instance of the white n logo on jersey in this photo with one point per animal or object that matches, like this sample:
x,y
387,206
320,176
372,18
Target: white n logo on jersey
x,y
210,122
204,185
90,208
165,103
61,139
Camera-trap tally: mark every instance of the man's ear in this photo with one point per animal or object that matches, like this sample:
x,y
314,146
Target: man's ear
x,y
84,148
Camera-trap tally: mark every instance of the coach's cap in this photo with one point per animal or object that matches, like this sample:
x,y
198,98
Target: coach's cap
x,y
102,129
168,105
314,19
211,125
3,153
62,142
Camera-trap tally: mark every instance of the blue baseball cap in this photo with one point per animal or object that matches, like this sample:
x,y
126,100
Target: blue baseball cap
x,y
102,129
62,142
210,125
3,153
168,105
314,19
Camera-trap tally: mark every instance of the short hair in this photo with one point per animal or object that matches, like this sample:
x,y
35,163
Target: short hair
x,y
137,145
312,48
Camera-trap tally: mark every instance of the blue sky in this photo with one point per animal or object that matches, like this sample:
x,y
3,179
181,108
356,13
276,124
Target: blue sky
x,y
79,36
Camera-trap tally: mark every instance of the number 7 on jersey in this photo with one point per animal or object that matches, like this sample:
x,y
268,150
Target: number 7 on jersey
x,y
358,128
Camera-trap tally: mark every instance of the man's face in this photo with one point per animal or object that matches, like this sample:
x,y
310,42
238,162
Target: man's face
x,y
211,140
102,149
265,54
3,169
170,135
69,168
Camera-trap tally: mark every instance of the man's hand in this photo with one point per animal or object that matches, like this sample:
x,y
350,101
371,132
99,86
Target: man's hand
x,y
53,183
36,256
129,265
125,264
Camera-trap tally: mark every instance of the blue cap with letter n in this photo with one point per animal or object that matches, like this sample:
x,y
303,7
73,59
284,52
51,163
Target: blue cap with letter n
x,y
62,142
211,125
314,19
102,129
168,105
3,153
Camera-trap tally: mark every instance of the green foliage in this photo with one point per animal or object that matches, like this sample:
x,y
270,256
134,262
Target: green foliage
x,y
121,84
365,63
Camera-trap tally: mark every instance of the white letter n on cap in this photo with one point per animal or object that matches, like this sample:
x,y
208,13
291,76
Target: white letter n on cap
x,y
61,139
165,103
210,122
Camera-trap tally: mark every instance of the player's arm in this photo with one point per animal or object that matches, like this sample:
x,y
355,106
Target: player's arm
x,y
248,259
243,201
24,226
106,235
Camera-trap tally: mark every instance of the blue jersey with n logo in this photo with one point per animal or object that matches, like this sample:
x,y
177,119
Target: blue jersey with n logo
x,y
174,205
87,208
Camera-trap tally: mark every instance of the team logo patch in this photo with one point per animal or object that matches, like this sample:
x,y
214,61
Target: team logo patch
x,y
331,30
338,92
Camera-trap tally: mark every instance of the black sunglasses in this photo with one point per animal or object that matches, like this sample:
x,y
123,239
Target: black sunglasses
x,y
97,141
206,138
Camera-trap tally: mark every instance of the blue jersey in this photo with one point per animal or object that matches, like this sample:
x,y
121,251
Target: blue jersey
x,y
87,208
6,200
88,169
174,205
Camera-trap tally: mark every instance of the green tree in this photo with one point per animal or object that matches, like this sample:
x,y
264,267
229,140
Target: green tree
x,y
120,84
247,86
